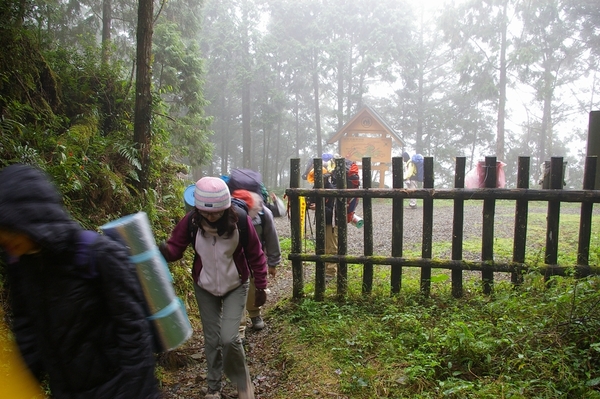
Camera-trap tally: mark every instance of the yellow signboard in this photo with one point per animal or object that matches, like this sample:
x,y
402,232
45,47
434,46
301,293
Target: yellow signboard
x,y
379,149
302,201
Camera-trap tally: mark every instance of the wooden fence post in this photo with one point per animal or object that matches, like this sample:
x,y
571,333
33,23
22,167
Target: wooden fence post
x,y
458,227
593,143
427,237
320,226
295,230
367,285
585,221
341,213
397,223
487,236
553,219
521,210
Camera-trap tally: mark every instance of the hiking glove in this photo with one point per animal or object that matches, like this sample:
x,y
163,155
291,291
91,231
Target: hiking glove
x,y
260,297
164,250
272,271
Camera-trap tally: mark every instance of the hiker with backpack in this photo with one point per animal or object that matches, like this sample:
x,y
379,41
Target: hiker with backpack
x,y
251,180
413,173
227,251
247,187
82,329
331,230
262,220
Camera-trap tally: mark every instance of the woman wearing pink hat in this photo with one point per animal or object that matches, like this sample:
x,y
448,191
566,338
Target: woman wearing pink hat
x,y
227,250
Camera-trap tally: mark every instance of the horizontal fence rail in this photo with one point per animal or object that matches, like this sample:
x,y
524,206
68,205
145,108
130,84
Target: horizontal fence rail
x,y
522,195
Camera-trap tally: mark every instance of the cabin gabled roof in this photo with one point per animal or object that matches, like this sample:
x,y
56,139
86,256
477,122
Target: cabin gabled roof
x,y
360,115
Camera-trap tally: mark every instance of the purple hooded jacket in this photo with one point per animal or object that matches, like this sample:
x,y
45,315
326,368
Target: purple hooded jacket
x,y
250,258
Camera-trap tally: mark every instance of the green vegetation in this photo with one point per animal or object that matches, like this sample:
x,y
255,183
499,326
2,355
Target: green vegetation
x,y
536,341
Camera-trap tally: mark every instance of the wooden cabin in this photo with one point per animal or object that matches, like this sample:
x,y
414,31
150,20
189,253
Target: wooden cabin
x,y
367,134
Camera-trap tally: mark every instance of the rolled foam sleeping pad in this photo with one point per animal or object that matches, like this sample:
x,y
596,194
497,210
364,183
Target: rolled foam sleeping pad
x,y
166,311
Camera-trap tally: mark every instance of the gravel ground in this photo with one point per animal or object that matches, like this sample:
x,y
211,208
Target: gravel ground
x,y
413,226
185,368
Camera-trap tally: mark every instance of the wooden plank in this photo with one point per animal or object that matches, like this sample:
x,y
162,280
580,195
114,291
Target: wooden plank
x,y
593,142
458,227
397,223
295,231
487,233
427,237
521,213
575,196
367,285
585,221
320,231
472,265
342,227
553,215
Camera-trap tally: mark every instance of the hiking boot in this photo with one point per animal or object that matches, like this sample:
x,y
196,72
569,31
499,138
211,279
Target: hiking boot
x,y
212,394
257,323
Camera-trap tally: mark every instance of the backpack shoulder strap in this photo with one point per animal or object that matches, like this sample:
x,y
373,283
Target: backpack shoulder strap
x,y
262,218
242,225
192,229
84,254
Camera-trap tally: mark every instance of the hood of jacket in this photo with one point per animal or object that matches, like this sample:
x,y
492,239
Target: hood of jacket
x,y
31,203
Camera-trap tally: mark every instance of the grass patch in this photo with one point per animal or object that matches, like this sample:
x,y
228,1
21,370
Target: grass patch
x,y
538,341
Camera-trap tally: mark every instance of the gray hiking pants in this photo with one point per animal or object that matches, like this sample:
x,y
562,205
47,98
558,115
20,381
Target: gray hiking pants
x,y
222,345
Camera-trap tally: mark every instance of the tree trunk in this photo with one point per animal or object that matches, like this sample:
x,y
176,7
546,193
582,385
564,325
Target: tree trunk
x,y
317,113
143,96
297,124
246,116
545,140
265,150
246,133
420,93
502,89
277,154
340,93
106,25
350,71
225,127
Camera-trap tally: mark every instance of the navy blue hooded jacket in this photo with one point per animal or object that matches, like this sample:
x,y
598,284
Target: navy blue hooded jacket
x,y
82,326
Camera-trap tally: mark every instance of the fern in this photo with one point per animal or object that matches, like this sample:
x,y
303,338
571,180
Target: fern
x,y
130,153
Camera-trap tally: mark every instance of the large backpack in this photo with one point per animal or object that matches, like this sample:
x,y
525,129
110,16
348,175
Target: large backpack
x,y
352,181
352,176
418,160
247,179
258,223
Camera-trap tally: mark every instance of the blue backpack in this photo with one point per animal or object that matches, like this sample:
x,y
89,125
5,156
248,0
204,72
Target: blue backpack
x,y
418,160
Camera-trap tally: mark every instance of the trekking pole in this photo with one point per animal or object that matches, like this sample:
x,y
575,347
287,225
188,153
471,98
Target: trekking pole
x,y
309,222
306,217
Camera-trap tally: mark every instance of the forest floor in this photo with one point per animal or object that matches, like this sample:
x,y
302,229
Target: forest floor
x,y
184,369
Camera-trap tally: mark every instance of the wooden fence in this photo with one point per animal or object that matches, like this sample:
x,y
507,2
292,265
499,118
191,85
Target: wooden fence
x,y
522,195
